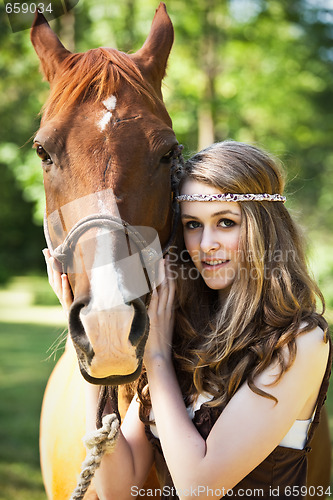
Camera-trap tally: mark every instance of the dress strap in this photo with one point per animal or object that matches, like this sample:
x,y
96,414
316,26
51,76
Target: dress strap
x,y
322,394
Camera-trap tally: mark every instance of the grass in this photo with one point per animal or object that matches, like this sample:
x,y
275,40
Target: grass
x,y
30,323
26,333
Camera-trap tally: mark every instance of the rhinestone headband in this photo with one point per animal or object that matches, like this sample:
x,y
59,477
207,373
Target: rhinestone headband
x,y
231,197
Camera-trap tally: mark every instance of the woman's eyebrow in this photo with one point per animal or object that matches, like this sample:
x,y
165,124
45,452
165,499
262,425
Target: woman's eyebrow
x,y
216,214
223,212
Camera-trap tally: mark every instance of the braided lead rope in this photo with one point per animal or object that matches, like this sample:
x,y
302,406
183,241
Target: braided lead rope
x,y
97,442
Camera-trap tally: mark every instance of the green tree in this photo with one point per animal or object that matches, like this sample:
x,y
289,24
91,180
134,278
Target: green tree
x,y
251,70
265,77
22,93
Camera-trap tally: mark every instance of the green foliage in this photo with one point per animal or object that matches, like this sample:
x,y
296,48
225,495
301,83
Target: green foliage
x,y
321,260
21,240
252,70
22,93
273,86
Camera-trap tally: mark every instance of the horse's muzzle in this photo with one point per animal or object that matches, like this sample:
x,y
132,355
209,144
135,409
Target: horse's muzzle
x,y
137,338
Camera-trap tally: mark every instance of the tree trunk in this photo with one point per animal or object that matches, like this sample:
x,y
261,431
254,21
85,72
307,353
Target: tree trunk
x,y
212,38
206,135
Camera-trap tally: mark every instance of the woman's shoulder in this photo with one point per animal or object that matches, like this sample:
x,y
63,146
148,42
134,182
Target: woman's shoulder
x,y
309,364
313,350
314,342
312,346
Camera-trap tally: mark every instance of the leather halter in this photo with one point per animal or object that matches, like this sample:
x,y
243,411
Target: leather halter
x,y
64,251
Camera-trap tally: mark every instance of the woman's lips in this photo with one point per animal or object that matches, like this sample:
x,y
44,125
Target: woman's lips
x,y
213,264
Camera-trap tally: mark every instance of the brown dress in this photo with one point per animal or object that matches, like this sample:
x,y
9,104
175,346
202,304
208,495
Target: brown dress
x,y
275,477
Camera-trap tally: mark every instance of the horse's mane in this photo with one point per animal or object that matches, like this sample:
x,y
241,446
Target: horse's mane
x,y
93,76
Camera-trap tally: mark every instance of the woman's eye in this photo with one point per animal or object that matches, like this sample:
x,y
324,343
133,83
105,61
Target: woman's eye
x,y
42,154
192,224
226,223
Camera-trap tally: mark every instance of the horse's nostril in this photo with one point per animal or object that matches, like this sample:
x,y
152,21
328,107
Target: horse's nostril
x,y
140,325
77,332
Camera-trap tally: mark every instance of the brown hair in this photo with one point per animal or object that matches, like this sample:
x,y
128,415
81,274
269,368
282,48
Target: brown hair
x,y
218,346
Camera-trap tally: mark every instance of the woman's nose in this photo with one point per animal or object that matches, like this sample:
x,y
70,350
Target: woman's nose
x,y
209,242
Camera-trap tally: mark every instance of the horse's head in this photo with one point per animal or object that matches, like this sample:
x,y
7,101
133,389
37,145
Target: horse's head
x,y
107,146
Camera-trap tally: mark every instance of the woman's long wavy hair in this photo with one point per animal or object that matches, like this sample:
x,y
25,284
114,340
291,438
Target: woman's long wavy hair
x,y
218,345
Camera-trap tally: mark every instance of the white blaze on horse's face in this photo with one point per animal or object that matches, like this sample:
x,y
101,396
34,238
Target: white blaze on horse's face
x,y
110,105
107,319
104,289
105,293
107,307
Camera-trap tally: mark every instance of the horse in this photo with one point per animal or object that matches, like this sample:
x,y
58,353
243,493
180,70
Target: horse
x,y
107,149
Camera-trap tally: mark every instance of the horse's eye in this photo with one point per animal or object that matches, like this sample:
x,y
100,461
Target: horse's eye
x,y
43,155
166,158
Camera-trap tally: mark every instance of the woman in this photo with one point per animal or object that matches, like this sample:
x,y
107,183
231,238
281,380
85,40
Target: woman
x,y
238,364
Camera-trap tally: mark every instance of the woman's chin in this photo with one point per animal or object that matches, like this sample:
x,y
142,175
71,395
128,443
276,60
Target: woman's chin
x,y
218,284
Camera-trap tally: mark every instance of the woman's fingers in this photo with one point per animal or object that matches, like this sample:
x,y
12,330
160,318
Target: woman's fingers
x,y
162,298
47,257
171,282
160,278
56,277
66,292
163,288
160,312
153,305
58,281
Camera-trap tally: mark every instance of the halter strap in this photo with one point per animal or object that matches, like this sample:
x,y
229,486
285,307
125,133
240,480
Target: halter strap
x,y
64,251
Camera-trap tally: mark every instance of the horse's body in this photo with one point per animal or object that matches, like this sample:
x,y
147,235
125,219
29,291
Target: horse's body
x,y
105,132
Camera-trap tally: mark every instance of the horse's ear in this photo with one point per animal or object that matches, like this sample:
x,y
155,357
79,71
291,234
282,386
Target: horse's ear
x,y
47,45
153,56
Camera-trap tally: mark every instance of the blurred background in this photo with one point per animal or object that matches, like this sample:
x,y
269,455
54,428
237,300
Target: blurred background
x,y
258,71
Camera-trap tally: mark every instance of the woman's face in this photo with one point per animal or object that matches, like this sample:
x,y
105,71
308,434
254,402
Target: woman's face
x,y
211,234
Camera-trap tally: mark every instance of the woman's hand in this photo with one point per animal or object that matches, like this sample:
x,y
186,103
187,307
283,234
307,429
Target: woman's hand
x,y
161,317
59,282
